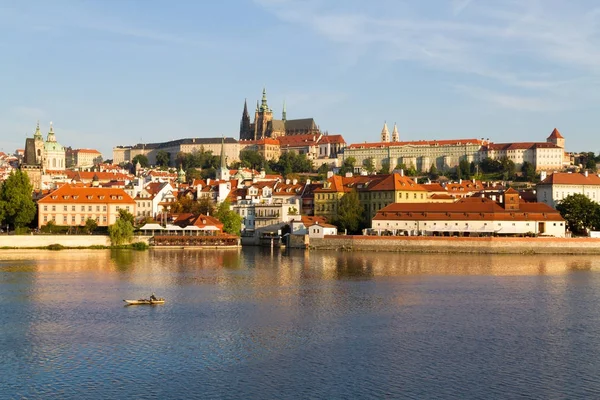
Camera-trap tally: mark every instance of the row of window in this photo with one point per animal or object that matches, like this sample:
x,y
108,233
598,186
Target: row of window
x,y
75,219
83,208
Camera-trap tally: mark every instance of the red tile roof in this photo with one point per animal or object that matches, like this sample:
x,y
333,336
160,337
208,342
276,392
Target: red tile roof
x,y
565,178
555,135
332,139
418,143
69,194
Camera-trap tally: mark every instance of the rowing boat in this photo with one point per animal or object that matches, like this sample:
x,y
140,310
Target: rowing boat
x,y
140,302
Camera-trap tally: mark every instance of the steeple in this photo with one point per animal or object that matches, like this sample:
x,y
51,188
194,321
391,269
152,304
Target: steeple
x,y
51,137
38,133
264,106
245,124
223,171
395,134
284,113
257,108
385,133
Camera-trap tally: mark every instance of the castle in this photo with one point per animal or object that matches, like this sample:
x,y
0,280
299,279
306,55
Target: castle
x,y
264,126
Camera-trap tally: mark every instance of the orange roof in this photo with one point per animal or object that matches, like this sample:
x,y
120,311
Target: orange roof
x,y
86,151
261,141
433,187
200,221
69,194
394,182
418,143
555,135
565,178
298,140
102,176
470,208
333,139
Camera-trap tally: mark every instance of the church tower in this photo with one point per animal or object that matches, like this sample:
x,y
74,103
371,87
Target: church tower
x,y
38,145
284,113
395,134
385,133
556,138
262,118
223,171
245,132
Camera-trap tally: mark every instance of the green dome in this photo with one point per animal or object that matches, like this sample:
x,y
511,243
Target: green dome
x,y
53,146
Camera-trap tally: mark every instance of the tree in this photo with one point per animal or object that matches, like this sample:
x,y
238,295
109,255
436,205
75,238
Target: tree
x,y
126,215
190,206
350,213
322,171
369,165
142,159
347,166
580,213
16,203
385,167
528,171
508,168
120,232
464,167
163,158
591,164
433,172
90,225
232,222
293,211
206,206
252,159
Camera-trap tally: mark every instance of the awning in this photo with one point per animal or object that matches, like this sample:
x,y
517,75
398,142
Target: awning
x,y
209,228
173,228
152,227
192,228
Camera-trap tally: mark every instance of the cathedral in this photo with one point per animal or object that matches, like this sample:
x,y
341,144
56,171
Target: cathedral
x,y
264,126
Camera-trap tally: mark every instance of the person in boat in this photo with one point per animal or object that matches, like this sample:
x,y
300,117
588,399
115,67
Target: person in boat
x,y
153,297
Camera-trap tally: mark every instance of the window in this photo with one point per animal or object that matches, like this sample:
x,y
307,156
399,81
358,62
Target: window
x,y
82,208
53,208
97,208
45,208
72,219
65,207
72,208
45,218
103,208
65,219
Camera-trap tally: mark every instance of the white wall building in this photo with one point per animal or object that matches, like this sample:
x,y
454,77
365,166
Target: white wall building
x,y
559,185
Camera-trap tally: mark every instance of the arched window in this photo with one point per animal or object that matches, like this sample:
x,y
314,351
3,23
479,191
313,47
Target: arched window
x,y
54,163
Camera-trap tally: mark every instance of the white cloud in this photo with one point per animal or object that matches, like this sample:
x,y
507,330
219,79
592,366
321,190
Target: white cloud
x,y
520,44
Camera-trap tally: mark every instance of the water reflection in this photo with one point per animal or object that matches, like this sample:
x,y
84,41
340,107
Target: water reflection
x,y
257,323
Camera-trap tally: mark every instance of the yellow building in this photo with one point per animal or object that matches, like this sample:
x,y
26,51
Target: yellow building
x,y
73,206
383,190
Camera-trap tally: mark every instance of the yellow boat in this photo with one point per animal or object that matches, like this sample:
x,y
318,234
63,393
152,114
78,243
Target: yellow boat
x,y
140,302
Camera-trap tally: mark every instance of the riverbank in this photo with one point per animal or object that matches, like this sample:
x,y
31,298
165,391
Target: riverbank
x,y
481,245
64,241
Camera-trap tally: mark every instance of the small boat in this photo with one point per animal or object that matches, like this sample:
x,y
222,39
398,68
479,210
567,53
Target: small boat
x,y
140,302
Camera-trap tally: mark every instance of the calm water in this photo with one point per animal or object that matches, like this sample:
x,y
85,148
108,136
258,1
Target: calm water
x,y
255,324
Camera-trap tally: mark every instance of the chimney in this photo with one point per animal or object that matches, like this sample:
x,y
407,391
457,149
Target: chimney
x,y
585,173
401,172
348,174
287,181
543,175
294,181
329,174
460,181
308,181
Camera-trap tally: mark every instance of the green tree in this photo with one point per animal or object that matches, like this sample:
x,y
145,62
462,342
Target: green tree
x,y
322,171
17,208
489,165
163,158
348,165
433,172
90,225
293,211
591,164
464,168
350,213
369,165
385,167
120,232
126,215
49,227
232,222
142,159
528,171
252,159
508,168
580,213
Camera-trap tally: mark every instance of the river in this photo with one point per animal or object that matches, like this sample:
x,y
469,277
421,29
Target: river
x,y
257,324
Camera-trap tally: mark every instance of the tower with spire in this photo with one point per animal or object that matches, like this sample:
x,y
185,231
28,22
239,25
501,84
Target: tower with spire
x,y
223,171
385,133
38,146
262,118
245,131
284,113
395,134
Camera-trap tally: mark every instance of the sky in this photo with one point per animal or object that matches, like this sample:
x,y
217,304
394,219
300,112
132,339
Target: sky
x,y
110,73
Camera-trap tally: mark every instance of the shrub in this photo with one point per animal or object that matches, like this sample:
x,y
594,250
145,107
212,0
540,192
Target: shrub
x,y
139,246
55,246
22,230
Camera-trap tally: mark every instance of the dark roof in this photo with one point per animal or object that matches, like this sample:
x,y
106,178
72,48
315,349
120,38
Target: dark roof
x,y
179,142
278,125
300,124
29,158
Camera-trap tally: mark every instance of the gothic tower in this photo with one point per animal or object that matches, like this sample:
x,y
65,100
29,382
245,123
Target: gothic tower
x,y
38,145
245,133
385,133
284,113
223,171
262,118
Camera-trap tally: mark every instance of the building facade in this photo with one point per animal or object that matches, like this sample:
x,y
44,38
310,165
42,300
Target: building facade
x,y
554,188
471,216
73,206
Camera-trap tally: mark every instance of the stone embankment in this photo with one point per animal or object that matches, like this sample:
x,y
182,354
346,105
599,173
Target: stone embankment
x,y
488,245
41,241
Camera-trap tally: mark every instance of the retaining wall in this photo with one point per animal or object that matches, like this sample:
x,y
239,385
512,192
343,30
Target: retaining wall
x,y
29,241
487,245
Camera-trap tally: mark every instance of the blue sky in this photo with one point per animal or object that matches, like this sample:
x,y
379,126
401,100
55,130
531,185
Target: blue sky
x,y
113,73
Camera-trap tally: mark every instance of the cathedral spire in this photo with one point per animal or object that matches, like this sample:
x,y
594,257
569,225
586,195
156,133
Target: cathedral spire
x,y
264,106
385,133
51,137
38,133
245,113
395,134
245,123
284,112
223,171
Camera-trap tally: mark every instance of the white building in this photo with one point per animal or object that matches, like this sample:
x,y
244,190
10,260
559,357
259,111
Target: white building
x,y
470,216
559,185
